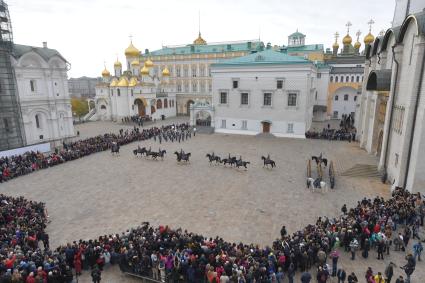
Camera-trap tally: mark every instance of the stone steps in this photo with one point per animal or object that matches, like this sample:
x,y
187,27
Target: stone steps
x,y
362,170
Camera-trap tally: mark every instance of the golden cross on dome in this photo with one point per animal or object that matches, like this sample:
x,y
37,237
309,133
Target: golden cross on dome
x,y
104,63
348,25
336,36
370,23
131,38
358,33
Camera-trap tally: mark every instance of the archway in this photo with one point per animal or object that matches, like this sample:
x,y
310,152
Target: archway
x,y
266,126
140,107
158,104
153,110
188,106
203,118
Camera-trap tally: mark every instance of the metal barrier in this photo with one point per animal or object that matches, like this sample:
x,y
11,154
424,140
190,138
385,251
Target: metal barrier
x,y
143,278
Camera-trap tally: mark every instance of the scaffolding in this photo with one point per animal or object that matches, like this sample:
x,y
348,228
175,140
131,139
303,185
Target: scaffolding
x,y
11,126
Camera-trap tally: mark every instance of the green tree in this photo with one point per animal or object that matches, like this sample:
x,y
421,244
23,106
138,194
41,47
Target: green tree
x,y
79,107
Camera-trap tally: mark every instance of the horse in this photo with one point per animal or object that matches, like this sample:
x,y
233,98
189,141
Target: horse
x,y
115,148
267,161
182,156
319,159
153,154
240,163
316,184
162,153
140,150
226,161
212,158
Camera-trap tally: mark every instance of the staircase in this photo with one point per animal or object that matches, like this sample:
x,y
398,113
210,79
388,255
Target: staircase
x,y
362,170
89,115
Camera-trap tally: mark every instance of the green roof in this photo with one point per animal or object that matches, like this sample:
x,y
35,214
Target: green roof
x,y
265,57
45,53
297,34
305,48
208,48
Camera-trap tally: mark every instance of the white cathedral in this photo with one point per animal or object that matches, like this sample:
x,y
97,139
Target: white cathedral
x,y
141,90
41,76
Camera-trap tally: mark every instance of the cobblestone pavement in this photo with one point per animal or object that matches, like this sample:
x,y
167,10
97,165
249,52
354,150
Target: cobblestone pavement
x,y
102,194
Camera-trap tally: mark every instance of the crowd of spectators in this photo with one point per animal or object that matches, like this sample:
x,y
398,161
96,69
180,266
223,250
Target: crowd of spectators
x,y
169,255
18,165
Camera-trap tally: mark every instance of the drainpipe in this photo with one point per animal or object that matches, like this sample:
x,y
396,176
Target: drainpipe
x,y
418,96
384,177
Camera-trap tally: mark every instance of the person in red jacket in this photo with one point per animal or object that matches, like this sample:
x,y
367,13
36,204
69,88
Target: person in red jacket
x,y
30,278
10,261
77,263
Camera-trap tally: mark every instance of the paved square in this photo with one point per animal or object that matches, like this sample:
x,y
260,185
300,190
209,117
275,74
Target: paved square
x,y
102,194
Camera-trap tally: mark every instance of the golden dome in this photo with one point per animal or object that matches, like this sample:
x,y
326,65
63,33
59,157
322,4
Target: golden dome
x,y
114,82
133,81
145,70
335,45
199,40
117,64
106,73
148,63
369,38
357,45
131,51
165,72
135,63
347,39
123,82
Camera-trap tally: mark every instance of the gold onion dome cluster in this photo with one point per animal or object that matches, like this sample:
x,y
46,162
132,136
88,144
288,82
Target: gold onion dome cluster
x,y
131,51
357,45
347,40
123,82
117,64
144,70
369,38
106,73
165,72
148,63
135,63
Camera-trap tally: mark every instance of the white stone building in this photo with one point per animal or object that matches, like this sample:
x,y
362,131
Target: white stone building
x,y
140,90
41,75
392,112
264,92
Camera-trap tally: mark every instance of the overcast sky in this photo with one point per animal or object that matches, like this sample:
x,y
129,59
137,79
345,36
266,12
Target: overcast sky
x,y
89,32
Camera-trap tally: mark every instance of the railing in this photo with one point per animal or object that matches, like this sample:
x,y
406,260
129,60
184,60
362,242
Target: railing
x,y
144,279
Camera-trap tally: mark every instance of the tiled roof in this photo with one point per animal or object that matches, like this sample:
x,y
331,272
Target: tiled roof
x,y
305,48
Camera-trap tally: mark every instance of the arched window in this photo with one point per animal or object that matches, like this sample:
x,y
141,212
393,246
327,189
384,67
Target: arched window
x,y
103,107
347,79
336,97
342,79
37,121
158,104
165,103
119,92
352,79
332,79
345,97
336,79
358,79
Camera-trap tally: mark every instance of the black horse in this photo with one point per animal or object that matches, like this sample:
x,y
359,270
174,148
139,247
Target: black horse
x,y
240,163
115,148
140,150
226,161
182,156
267,161
161,153
212,158
319,160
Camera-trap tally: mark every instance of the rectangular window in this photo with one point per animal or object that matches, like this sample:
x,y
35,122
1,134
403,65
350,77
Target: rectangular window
x,y
194,72
209,87
223,97
267,99
235,84
244,98
178,71
32,85
292,99
223,124
37,121
345,97
194,87
290,128
279,84
186,72
244,124
335,114
179,88
6,125
355,98
336,97
186,87
319,75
